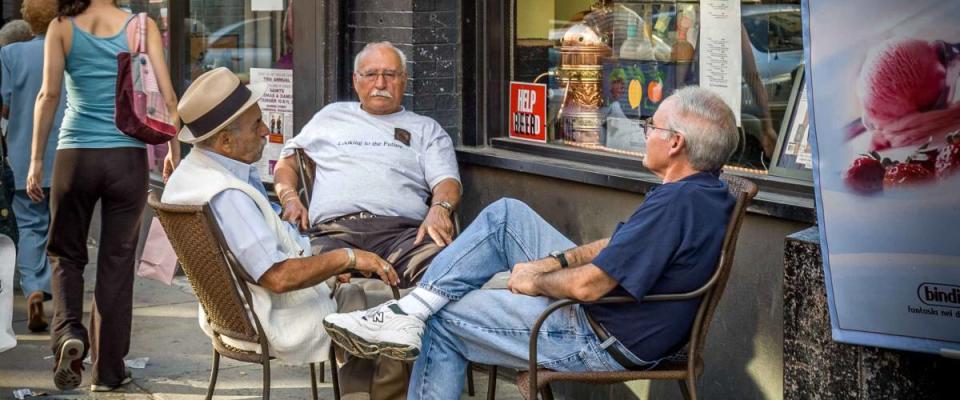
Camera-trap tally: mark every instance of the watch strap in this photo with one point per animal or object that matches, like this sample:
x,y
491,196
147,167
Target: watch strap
x,y
561,258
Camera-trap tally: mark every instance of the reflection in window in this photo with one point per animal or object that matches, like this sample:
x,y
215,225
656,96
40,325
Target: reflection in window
x,y
229,33
609,64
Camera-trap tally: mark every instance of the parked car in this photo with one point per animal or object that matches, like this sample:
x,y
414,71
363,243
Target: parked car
x,y
236,46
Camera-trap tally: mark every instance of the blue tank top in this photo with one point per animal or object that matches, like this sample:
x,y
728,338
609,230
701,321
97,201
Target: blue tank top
x,y
91,82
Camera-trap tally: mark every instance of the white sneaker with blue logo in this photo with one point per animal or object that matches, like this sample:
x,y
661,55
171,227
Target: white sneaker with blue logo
x,y
383,330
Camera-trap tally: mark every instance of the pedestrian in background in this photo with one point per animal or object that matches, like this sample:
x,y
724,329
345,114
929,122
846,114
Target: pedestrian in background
x,y
94,162
11,32
19,87
15,31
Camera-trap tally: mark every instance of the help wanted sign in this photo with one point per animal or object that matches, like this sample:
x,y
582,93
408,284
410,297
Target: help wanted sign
x,y
528,111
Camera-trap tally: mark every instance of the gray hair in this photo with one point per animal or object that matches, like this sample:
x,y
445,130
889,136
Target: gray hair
x,y
15,31
708,126
374,45
230,129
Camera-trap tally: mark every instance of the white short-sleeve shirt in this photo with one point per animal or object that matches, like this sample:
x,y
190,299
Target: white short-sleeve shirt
x,y
382,164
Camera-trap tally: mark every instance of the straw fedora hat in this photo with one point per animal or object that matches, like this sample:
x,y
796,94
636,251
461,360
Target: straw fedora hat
x,y
212,102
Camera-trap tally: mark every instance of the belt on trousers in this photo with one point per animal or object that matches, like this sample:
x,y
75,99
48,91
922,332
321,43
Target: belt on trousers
x,y
614,351
350,217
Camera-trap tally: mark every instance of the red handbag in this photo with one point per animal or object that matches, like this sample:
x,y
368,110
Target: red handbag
x,y
141,111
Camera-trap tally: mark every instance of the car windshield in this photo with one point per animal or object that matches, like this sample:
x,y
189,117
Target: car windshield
x,y
776,32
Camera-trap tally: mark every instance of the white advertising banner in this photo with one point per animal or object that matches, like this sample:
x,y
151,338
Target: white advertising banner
x,y
277,107
720,47
885,129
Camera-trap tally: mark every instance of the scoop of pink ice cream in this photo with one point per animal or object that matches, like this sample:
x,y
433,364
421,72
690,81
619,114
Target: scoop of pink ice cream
x,y
899,78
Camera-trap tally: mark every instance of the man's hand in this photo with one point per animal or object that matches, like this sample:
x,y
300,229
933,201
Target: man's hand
x,y
438,225
523,276
369,263
295,213
35,180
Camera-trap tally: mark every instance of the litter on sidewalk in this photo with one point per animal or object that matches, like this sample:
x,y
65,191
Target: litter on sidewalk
x,y
21,394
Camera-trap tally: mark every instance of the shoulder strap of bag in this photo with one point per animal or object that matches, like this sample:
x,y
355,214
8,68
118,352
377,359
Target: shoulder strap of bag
x,y
136,33
142,33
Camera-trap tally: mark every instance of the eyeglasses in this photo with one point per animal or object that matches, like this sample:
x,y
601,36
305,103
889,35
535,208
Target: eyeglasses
x,y
371,76
647,125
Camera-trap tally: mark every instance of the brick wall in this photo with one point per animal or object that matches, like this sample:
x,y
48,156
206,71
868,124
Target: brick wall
x,y
428,32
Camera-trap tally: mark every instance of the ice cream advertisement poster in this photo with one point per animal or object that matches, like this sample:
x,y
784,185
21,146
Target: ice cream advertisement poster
x,y
884,113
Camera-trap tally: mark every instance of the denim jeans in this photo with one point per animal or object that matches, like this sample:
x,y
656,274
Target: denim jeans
x,y
33,219
493,326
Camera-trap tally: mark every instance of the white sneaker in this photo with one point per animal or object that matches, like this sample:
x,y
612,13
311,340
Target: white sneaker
x,y
385,330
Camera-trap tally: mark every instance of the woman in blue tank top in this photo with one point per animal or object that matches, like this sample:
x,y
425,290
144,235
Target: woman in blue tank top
x,y
94,162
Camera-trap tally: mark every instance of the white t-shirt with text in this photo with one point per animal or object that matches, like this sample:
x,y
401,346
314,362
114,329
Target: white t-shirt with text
x,y
382,164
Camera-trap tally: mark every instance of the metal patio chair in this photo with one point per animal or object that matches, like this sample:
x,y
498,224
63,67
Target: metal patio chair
x,y
218,280
684,368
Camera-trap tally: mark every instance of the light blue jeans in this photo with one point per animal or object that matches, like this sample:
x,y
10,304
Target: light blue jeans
x,y
493,326
33,220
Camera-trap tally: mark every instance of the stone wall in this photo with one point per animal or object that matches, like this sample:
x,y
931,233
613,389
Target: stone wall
x,y
428,32
816,367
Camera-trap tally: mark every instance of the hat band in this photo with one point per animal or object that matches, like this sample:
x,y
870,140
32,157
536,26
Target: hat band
x,y
221,113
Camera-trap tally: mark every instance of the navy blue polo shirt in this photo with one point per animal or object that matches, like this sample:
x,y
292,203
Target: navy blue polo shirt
x,y
670,244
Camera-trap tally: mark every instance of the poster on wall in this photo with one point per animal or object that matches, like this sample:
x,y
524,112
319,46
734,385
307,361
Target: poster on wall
x,y
277,108
721,60
885,128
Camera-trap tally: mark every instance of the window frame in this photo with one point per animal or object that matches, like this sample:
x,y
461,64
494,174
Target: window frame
x,y
487,53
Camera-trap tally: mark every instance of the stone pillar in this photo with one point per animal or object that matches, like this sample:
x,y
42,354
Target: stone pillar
x,y
816,367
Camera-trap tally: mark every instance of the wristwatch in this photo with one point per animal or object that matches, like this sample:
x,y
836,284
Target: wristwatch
x,y
445,204
557,254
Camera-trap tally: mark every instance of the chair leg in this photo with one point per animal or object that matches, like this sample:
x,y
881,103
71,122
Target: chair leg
x,y
214,370
492,382
313,379
334,374
323,378
266,379
688,388
470,390
546,392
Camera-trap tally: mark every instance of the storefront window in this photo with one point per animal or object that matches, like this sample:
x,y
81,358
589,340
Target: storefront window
x,y
254,39
609,64
239,35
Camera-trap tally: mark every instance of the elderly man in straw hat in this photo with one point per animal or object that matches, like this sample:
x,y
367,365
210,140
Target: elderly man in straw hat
x,y
222,118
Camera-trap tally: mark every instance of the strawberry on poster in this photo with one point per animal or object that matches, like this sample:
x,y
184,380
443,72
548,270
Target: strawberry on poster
x,y
888,165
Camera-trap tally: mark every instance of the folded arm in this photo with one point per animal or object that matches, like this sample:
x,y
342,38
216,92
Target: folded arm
x,y
581,281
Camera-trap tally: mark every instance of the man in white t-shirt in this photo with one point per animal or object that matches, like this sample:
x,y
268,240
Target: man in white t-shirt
x,y
386,178
386,181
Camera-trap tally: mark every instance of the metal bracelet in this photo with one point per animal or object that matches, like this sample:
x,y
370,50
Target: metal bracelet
x,y
351,258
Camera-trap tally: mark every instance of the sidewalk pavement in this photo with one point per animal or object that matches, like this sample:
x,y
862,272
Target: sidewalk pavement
x,y
165,329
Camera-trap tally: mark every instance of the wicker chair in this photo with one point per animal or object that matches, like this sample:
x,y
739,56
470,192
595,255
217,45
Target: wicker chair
x,y
216,276
684,369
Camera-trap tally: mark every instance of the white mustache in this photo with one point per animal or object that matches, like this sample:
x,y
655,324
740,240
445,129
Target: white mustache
x,y
381,93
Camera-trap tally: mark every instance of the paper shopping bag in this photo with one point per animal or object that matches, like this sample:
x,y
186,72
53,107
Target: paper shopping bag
x,y
8,256
159,261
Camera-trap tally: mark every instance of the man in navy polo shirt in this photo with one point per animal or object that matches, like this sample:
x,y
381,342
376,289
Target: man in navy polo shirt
x,y
670,244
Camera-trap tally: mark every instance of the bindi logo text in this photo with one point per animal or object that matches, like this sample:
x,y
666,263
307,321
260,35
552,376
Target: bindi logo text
x,y
939,294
